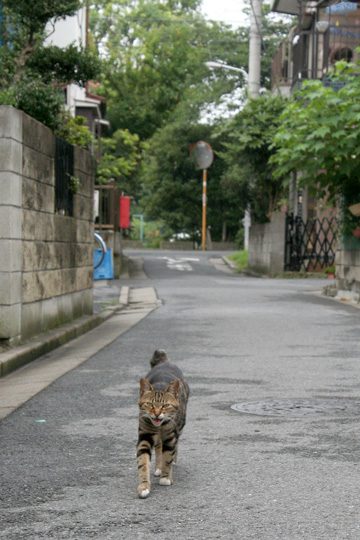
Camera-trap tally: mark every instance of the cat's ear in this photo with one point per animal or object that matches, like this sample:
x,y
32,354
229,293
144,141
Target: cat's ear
x,y
144,386
174,387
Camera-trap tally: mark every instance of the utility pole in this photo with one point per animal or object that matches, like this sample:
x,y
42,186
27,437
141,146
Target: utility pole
x,y
254,48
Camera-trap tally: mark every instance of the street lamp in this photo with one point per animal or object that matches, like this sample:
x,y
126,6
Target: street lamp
x,y
222,65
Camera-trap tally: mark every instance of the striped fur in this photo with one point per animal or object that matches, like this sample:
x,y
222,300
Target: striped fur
x,y
163,398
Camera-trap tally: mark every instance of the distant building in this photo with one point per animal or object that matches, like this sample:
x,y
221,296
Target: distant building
x,y
79,101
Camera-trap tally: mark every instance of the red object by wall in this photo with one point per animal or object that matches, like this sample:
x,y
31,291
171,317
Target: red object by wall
x,y
124,212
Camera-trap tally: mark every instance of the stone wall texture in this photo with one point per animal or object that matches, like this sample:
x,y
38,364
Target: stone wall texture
x,y
46,261
348,267
267,245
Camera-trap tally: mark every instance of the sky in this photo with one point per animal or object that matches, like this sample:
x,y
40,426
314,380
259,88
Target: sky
x,y
228,11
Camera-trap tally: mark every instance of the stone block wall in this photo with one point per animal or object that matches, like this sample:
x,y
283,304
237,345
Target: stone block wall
x,y
267,245
348,268
46,262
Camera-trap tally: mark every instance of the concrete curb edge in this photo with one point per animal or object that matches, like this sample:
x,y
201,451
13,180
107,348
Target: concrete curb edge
x,y
44,343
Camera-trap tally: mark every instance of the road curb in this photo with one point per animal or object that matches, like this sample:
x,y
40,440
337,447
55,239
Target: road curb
x,y
229,263
20,356
124,296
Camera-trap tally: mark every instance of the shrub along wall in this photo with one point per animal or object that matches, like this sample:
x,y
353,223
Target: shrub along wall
x,y
45,244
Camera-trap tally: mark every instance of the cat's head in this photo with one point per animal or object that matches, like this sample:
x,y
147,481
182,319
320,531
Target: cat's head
x,y
159,406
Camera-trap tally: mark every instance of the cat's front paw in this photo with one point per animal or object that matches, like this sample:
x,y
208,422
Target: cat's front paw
x,y
157,472
165,481
143,491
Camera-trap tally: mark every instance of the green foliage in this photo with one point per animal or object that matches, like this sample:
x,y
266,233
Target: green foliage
x,y
172,186
247,143
155,54
121,155
319,136
34,15
35,98
32,75
67,65
156,85
241,260
75,131
154,232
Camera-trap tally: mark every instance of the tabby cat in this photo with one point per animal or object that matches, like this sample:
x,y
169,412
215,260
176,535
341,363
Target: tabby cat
x,y
163,398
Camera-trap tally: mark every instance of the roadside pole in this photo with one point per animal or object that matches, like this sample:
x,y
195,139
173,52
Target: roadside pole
x,y
203,156
254,49
204,208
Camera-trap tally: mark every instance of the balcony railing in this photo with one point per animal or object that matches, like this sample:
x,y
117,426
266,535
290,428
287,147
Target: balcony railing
x,y
311,54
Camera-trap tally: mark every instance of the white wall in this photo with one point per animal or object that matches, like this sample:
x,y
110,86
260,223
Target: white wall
x,y
69,30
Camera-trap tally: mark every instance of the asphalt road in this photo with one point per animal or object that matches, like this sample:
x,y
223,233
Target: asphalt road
x,y
287,468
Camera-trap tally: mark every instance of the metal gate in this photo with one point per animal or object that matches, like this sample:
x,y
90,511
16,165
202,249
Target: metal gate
x,y
64,171
310,245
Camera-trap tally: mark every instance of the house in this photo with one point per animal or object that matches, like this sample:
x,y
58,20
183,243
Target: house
x,y
324,32
80,101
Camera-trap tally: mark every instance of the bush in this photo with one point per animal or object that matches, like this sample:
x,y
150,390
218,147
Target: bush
x,y
75,131
34,97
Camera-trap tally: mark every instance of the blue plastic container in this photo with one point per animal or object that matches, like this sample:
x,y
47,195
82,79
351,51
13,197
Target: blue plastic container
x,y
106,269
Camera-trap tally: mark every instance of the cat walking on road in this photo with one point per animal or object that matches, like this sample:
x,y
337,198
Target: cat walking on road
x,y
163,398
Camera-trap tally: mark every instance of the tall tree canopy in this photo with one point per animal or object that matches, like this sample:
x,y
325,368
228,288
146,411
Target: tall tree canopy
x,y
158,86
155,52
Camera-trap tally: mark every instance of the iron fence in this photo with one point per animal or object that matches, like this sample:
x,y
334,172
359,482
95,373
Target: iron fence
x,y
64,174
310,245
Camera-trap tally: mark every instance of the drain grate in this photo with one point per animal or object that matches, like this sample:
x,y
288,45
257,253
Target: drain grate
x,y
300,407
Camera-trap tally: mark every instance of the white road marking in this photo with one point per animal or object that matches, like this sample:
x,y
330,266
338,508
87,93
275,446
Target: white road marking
x,y
181,264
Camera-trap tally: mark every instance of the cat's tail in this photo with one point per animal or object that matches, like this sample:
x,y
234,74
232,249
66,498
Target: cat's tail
x,y
158,357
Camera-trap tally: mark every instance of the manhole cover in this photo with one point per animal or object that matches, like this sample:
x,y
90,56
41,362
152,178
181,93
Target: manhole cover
x,y
300,407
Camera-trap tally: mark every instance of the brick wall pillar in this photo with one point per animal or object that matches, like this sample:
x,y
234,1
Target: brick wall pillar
x,y
11,160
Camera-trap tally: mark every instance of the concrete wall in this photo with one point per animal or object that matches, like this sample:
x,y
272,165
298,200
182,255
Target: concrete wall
x,y
46,258
267,245
348,269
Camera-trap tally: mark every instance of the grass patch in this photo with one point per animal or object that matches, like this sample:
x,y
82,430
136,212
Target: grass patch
x,y
240,259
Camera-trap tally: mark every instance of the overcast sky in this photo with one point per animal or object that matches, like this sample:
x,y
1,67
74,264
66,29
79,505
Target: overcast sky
x,y
229,11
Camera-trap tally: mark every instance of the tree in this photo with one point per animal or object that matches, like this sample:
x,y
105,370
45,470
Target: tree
x,y
319,137
173,185
246,150
32,75
157,86
120,161
155,52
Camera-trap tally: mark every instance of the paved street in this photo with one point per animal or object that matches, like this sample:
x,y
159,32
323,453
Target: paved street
x,y
284,466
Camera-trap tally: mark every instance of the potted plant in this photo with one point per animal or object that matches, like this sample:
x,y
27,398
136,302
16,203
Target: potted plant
x,y
330,272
